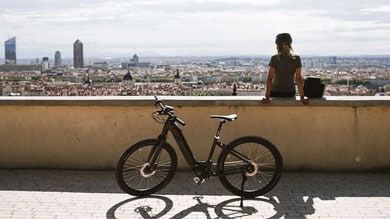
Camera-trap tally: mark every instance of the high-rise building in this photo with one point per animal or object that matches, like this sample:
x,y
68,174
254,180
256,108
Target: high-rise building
x,y
78,56
45,63
10,51
57,59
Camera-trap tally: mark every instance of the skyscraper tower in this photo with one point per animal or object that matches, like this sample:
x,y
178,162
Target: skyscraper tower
x,y
10,51
57,59
45,63
78,56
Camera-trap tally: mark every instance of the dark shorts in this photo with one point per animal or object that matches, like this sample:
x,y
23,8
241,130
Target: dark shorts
x,y
282,94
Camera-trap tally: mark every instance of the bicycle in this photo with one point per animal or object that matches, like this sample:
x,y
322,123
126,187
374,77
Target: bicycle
x,y
248,166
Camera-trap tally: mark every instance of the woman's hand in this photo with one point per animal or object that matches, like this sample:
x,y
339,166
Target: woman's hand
x,y
304,101
265,100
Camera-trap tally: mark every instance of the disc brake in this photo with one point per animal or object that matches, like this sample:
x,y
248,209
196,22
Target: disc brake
x,y
254,171
145,170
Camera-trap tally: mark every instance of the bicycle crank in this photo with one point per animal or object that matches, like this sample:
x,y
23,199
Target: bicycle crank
x,y
199,181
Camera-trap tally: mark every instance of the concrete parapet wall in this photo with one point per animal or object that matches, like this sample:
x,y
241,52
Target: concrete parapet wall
x,y
337,134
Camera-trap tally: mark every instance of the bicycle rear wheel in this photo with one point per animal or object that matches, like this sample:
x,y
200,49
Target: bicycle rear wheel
x,y
263,173
133,173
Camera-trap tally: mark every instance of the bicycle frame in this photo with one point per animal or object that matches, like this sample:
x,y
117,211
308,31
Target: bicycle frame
x,y
171,126
203,166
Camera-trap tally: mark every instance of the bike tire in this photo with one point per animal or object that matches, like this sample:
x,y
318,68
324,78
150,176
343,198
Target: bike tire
x,y
265,156
129,172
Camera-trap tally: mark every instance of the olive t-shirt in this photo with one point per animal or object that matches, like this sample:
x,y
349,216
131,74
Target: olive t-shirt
x,y
285,66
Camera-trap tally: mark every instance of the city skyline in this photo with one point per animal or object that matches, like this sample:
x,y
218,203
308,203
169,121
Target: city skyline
x,y
195,28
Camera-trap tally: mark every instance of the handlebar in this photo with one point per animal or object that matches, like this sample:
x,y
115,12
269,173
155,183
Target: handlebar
x,y
167,110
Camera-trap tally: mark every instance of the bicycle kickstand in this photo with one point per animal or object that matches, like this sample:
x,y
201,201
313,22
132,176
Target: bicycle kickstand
x,y
244,178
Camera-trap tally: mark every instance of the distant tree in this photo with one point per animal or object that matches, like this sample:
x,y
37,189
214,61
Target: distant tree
x,y
35,77
247,79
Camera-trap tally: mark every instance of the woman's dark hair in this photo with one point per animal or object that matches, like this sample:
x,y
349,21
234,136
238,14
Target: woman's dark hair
x,y
283,38
283,42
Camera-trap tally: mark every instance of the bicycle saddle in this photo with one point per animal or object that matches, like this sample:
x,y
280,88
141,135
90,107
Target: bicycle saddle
x,y
230,117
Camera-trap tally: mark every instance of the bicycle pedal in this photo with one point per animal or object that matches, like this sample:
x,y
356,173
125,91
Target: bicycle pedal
x,y
199,181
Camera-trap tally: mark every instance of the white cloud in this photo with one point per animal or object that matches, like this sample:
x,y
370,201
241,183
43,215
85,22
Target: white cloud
x,y
381,8
200,27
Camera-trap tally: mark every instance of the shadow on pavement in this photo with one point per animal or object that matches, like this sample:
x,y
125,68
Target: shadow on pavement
x,y
161,207
292,197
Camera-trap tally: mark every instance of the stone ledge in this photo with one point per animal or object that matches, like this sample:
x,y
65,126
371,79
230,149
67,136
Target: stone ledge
x,y
349,101
346,134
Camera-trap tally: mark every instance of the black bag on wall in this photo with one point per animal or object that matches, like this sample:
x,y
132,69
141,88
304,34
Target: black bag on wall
x,y
313,87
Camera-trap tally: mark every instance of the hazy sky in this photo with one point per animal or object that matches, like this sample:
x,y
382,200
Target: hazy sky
x,y
119,28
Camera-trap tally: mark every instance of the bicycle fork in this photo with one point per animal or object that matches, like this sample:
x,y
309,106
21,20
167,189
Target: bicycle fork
x,y
156,150
154,153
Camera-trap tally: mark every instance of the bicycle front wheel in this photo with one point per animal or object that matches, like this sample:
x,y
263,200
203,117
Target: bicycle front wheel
x,y
262,169
134,174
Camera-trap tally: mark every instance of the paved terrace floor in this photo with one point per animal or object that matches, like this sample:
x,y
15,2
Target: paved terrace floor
x,y
94,194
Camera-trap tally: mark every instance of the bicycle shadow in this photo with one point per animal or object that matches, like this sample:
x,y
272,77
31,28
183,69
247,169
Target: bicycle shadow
x,y
285,200
161,206
141,208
